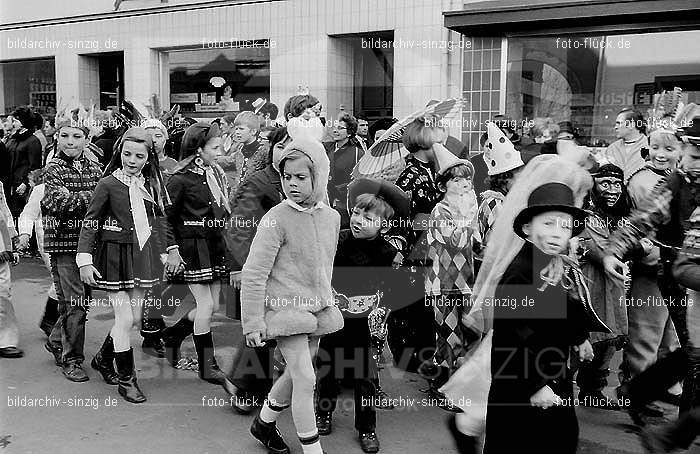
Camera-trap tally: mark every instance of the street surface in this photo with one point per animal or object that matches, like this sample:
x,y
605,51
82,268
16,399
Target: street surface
x,y
186,415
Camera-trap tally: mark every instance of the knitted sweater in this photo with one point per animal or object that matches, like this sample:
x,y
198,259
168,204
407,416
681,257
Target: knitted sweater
x,y
69,184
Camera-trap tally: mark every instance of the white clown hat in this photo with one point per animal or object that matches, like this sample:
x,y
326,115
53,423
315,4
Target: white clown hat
x,y
499,153
446,160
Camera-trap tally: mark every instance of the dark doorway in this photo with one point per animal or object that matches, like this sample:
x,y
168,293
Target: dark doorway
x,y
111,67
374,75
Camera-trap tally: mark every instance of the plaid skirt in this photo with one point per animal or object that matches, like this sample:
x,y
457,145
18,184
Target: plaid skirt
x,y
205,260
123,266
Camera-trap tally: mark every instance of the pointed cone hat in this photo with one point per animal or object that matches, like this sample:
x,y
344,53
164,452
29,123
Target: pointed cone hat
x,y
499,153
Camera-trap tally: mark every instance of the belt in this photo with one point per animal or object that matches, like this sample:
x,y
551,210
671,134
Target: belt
x,y
357,304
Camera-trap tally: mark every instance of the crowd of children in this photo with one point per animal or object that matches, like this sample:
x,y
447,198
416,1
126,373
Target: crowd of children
x,y
328,265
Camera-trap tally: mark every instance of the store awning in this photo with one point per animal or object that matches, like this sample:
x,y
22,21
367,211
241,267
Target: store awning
x,y
552,17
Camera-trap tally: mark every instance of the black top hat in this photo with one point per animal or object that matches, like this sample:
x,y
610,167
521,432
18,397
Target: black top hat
x,y
550,197
389,192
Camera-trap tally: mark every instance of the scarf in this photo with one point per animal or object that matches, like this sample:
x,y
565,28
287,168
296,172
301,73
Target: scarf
x,y
137,195
215,189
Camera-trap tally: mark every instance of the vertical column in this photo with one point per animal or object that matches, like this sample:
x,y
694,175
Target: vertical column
x,y
89,80
141,73
67,79
3,107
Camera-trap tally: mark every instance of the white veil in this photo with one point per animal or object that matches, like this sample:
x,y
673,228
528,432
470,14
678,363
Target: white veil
x,y
503,243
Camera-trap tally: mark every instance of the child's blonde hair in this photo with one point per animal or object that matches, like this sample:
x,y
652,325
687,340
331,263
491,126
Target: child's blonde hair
x,y
248,119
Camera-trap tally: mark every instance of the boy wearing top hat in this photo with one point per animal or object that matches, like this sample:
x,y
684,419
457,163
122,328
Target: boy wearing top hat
x,y
361,270
535,325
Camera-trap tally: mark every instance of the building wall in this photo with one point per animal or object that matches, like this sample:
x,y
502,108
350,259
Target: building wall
x,y
305,35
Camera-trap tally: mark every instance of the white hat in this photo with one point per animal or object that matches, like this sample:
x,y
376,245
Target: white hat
x,y
500,155
258,103
446,160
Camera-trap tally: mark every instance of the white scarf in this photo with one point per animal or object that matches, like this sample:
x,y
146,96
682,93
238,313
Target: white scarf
x,y
137,195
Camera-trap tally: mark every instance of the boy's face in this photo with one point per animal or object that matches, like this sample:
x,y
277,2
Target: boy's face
x,y
365,224
296,180
690,159
550,231
458,186
242,133
663,154
71,141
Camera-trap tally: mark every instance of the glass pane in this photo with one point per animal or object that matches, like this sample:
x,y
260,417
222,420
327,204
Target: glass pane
x,y
588,80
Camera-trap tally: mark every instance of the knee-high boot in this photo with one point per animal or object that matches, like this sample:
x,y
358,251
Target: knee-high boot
x,y
691,385
128,387
103,362
173,337
208,368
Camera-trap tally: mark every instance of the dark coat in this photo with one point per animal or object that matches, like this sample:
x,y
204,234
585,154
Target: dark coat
x,y
531,346
259,192
24,153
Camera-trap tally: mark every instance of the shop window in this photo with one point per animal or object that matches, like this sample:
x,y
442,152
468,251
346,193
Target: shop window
x,y
28,82
217,81
588,79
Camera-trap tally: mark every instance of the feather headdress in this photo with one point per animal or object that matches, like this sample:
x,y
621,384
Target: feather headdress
x,y
74,115
666,110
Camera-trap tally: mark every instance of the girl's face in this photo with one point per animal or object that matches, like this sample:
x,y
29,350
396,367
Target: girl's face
x,y
296,180
664,152
71,141
690,162
158,139
226,127
134,157
550,231
458,186
211,151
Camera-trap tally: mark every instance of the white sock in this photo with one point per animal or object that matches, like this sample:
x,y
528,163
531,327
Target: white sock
x,y
269,414
310,443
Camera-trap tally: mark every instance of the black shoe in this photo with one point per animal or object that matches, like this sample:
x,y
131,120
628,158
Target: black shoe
x,y
465,444
673,399
597,399
128,386
638,413
103,362
153,345
369,441
208,368
11,352
324,423
269,435
56,352
242,403
173,337
74,372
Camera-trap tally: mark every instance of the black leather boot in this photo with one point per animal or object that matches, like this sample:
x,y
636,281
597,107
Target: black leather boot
x,y
173,337
269,435
128,387
208,368
691,385
50,316
103,362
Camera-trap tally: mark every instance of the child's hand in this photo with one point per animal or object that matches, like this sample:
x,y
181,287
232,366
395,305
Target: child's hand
x,y
545,398
585,351
88,273
23,242
235,279
398,260
174,262
254,339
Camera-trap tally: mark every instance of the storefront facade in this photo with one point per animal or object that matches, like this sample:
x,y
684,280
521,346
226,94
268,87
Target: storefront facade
x,y
217,57
580,61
